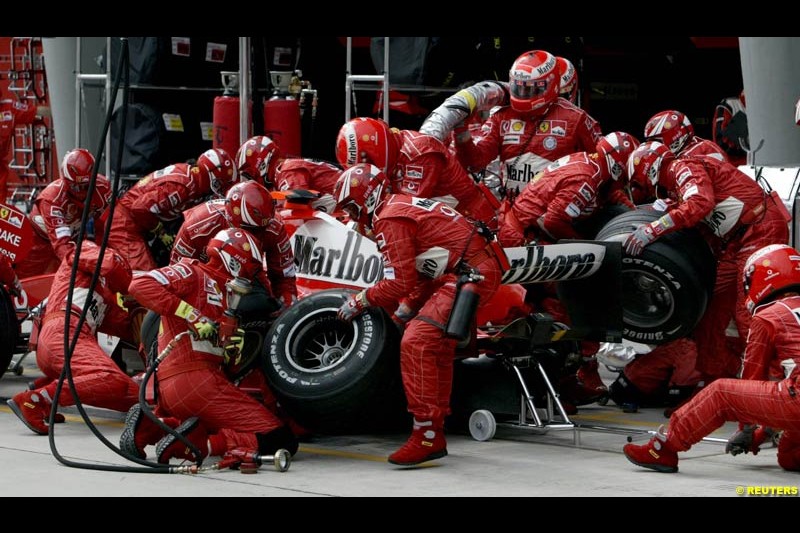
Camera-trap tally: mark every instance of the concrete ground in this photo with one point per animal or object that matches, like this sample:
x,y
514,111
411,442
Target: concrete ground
x,y
516,462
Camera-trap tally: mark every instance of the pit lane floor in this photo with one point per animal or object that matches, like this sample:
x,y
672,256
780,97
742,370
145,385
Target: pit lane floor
x,y
516,462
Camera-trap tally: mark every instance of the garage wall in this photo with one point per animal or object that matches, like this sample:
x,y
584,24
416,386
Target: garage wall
x,y
771,69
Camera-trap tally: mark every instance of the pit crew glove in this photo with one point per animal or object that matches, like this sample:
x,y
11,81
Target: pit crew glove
x,y
748,438
167,239
233,347
353,307
641,237
402,315
647,233
202,326
162,235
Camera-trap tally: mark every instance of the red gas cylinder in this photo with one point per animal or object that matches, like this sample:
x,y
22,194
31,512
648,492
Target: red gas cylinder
x,y
226,123
282,124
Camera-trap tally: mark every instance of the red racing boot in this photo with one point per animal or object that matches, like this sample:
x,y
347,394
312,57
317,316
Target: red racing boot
x,y
656,454
140,431
588,374
426,443
171,447
39,383
33,409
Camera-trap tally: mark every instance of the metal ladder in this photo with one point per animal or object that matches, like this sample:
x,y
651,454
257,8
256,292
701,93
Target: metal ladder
x,y
376,79
32,143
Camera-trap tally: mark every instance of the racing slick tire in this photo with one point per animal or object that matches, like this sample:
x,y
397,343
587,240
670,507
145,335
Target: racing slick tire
x,y
667,288
333,376
9,330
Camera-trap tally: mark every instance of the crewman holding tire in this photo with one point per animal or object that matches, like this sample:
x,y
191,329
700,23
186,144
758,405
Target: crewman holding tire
x,y
735,214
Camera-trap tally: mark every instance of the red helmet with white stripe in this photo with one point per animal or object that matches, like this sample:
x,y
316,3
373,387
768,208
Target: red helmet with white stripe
x,y
258,158
235,252
359,190
671,128
76,171
250,205
615,148
644,169
769,272
218,166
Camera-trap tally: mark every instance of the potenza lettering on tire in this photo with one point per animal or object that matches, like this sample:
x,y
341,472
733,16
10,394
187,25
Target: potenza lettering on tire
x,y
667,288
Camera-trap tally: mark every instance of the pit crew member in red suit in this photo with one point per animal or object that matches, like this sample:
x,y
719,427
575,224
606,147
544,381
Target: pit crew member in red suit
x,y
568,80
312,175
57,210
408,229
247,205
13,113
98,380
675,130
547,210
654,370
567,191
260,159
162,196
537,129
766,397
192,384
735,215
416,164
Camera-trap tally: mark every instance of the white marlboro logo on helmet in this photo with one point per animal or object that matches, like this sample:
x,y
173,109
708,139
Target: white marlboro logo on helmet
x,y
549,65
352,145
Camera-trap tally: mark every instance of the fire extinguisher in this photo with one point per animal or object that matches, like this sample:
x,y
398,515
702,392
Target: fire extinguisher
x,y
226,115
282,115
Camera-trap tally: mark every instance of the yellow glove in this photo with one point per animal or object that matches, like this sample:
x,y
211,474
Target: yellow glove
x,y
233,346
202,326
167,239
162,235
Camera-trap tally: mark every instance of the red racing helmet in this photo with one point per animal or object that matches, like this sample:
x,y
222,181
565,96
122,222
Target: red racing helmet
x,y
76,170
235,252
367,140
644,169
250,205
770,272
534,82
218,166
359,190
258,158
615,148
568,76
671,128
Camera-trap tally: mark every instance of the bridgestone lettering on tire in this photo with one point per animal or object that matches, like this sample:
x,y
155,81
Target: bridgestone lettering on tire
x,y
666,289
333,376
